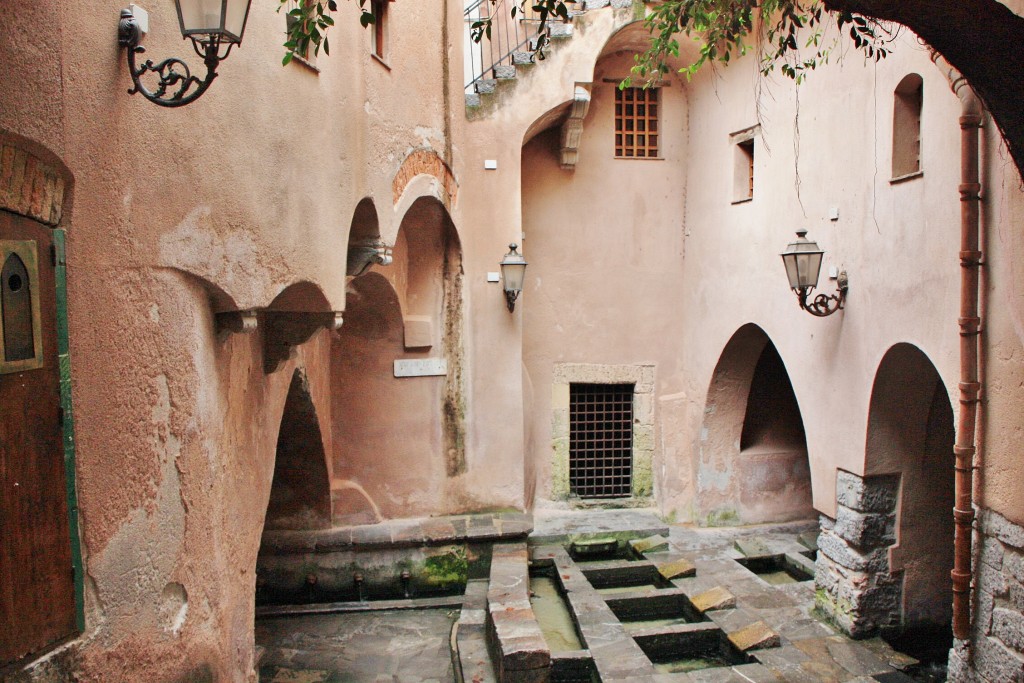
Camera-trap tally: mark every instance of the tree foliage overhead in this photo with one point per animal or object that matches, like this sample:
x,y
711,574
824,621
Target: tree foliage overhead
x,y
790,34
983,39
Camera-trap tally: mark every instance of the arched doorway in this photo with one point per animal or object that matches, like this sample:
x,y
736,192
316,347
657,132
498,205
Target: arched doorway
x,y
753,464
910,433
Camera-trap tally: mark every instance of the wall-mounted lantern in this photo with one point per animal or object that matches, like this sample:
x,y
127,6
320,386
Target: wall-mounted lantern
x,y
513,270
802,259
214,26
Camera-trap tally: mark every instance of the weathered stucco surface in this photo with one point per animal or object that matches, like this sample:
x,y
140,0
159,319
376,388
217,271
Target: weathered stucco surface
x,y
247,198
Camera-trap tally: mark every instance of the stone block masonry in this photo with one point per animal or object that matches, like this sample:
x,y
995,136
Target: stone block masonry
x,y
996,651
854,585
642,378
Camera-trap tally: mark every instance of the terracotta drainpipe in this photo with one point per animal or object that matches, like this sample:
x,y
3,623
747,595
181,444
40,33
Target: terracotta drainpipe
x,y
971,116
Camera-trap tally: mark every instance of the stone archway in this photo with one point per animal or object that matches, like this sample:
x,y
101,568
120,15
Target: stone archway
x,y
300,495
885,563
911,433
396,368
753,464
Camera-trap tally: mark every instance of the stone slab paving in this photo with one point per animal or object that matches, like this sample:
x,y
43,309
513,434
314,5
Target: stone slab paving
x,y
809,648
555,524
368,647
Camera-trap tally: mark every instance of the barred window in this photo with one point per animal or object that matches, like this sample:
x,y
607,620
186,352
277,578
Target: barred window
x,y
601,440
636,122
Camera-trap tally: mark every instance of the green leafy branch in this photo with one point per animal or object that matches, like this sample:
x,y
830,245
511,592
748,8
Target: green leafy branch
x,y
308,22
724,29
727,29
543,11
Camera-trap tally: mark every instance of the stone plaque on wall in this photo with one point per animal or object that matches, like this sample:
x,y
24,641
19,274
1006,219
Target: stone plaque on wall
x,y
421,367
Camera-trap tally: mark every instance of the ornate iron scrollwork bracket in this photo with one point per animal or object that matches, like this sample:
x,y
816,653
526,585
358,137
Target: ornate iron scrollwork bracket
x,y
823,305
176,86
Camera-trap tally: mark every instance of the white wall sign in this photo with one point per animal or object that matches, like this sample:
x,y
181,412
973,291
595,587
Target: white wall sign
x,y
421,367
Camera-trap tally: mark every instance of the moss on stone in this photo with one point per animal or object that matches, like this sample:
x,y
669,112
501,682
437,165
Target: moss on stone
x,y
447,568
643,477
726,517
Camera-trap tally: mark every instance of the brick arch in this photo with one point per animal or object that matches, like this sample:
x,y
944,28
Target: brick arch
x,y
425,162
33,182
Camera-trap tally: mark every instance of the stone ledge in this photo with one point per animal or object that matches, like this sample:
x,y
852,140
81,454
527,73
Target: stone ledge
x,y
504,526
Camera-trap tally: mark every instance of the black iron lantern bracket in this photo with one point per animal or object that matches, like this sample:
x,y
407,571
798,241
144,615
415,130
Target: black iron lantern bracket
x,y
177,86
823,305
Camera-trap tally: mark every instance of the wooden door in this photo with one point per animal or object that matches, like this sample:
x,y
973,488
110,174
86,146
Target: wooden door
x,y
37,599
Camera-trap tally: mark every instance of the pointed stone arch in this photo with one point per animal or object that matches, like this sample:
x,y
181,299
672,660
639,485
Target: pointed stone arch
x,y
884,565
910,435
300,493
753,465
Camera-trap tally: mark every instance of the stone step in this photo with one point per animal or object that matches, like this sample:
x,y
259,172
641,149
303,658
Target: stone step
x,y
522,57
486,85
505,71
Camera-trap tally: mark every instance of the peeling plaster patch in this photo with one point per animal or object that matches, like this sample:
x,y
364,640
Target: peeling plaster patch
x,y
428,136
230,261
131,572
174,607
154,314
709,478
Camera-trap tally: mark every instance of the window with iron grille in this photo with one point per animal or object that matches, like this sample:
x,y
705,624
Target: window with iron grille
x,y
601,440
636,122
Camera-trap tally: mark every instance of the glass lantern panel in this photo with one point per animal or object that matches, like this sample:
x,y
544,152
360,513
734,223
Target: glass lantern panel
x,y
790,262
234,21
808,267
200,16
513,273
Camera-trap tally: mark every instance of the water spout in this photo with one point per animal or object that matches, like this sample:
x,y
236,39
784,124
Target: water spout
x,y
357,578
311,580
406,581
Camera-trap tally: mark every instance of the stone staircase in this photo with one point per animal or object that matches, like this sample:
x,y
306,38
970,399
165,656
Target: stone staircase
x,y
503,73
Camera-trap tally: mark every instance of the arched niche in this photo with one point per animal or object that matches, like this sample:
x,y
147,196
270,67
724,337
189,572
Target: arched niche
x,y
910,433
292,318
300,495
387,429
427,272
753,464
365,247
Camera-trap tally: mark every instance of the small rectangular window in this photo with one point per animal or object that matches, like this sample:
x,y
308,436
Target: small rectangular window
x,y
906,127
306,56
380,28
743,164
601,440
636,123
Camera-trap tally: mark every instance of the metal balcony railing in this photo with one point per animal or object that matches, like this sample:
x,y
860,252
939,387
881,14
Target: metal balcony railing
x,y
508,36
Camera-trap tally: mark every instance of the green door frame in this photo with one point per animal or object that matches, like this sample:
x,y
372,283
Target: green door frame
x,y
67,420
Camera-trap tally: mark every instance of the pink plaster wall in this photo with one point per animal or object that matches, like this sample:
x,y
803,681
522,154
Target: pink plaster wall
x,y
253,188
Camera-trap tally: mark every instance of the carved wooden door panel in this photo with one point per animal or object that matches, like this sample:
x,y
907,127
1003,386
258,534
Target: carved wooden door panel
x,y
37,600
